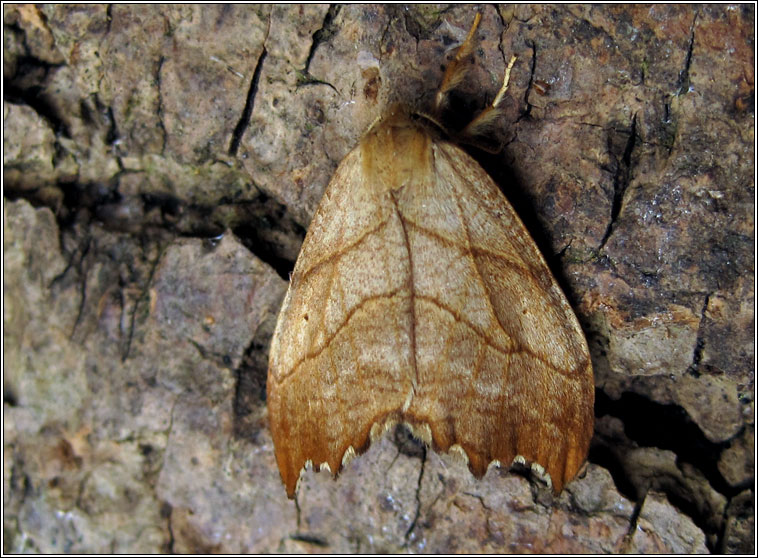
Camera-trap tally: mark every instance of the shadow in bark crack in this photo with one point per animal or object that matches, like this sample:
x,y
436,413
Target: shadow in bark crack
x,y
250,389
647,424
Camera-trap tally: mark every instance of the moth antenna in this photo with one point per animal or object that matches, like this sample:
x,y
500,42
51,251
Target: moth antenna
x,y
488,116
456,70
506,80
374,123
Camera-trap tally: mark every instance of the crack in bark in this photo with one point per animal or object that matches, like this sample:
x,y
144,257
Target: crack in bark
x,y
383,38
218,359
681,87
626,546
683,83
76,262
311,539
166,507
142,296
247,112
262,224
160,109
533,66
170,528
322,34
491,536
83,296
621,181
418,499
503,24
697,354
108,18
298,512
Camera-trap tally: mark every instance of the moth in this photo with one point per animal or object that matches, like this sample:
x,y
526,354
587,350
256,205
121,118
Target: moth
x,y
419,297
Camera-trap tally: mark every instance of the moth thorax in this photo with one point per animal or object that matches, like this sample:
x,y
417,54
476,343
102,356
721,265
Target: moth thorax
x,y
397,153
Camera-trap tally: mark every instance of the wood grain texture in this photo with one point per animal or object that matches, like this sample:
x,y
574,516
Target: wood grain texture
x,y
419,297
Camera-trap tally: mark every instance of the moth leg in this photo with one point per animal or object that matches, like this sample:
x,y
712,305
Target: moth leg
x,y
456,71
488,115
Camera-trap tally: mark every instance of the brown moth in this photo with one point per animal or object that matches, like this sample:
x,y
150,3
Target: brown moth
x,y
419,297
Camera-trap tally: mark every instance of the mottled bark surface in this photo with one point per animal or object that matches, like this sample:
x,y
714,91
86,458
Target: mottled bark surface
x,y
161,165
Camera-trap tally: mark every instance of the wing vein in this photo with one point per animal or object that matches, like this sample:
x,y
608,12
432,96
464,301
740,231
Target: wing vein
x,y
316,352
411,291
336,255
